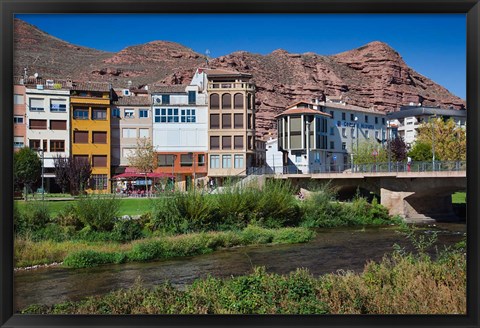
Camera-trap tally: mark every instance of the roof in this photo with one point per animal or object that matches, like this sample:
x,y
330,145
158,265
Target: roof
x,y
51,84
351,107
91,86
164,88
133,100
409,111
212,72
293,111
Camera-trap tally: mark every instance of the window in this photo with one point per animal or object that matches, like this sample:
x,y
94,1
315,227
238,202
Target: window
x,y
58,125
238,121
80,159
214,101
383,120
332,131
226,161
99,137
352,117
187,116
129,113
186,159
214,161
344,132
250,121
164,160
226,101
18,99
34,143
192,97
250,142
57,145
18,142
143,133
238,142
45,144
344,145
226,142
352,132
98,182
143,113
238,161
331,113
36,105
214,121
80,137
201,160
58,105
165,99
99,161
238,101
172,115
343,116
116,112
129,133
214,142
38,124
366,118
376,120
18,119
80,113
250,101
298,158
226,121
332,145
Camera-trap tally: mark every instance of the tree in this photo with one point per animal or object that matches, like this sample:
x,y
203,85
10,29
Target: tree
x,y
421,152
447,138
398,149
143,157
61,170
73,173
27,168
364,153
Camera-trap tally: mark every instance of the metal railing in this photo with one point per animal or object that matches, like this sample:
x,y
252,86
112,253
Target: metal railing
x,y
438,166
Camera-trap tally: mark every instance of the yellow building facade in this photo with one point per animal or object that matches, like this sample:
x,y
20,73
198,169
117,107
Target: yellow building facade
x,y
91,133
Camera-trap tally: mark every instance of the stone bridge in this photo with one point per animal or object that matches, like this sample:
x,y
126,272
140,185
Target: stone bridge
x,y
412,195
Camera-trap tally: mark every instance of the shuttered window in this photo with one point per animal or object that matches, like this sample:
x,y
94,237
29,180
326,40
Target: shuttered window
x,y
57,145
58,125
99,137
226,142
214,121
38,124
238,142
238,101
238,121
214,101
99,161
165,160
80,136
227,101
214,142
226,121
37,105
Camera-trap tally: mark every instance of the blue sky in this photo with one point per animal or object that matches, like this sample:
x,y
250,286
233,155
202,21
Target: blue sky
x,y
434,45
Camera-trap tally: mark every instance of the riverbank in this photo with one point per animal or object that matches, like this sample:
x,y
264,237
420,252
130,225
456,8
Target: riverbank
x,y
399,284
80,254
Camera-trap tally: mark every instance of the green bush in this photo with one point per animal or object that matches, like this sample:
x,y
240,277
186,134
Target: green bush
x,y
69,217
97,212
127,230
89,258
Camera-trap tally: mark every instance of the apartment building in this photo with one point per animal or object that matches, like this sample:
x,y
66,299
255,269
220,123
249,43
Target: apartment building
x,y
231,129
180,122
19,115
47,123
91,130
131,120
406,121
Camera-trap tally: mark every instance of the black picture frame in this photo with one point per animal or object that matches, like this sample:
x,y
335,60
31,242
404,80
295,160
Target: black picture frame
x,y
10,7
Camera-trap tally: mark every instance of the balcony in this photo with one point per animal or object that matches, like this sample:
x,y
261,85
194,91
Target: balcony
x,y
241,86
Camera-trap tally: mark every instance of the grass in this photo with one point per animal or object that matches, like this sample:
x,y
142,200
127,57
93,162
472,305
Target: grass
x,y
128,206
399,284
459,198
78,254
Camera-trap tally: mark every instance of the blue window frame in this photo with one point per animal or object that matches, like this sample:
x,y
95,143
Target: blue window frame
x,y
143,113
80,114
165,99
192,97
115,112
187,116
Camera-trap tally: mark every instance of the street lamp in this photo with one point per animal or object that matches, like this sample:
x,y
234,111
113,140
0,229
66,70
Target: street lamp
x,y
43,165
173,171
193,164
356,133
433,141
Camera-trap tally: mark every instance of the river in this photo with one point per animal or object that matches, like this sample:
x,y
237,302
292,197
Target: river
x,y
330,251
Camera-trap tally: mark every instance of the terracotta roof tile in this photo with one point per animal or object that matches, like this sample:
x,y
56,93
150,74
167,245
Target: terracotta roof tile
x,y
91,86
176,88
133,100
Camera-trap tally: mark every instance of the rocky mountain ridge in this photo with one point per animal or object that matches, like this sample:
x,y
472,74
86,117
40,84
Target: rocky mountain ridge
x,y
374,75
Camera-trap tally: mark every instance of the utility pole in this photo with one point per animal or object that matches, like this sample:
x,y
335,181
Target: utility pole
x,y
307,123
433,141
